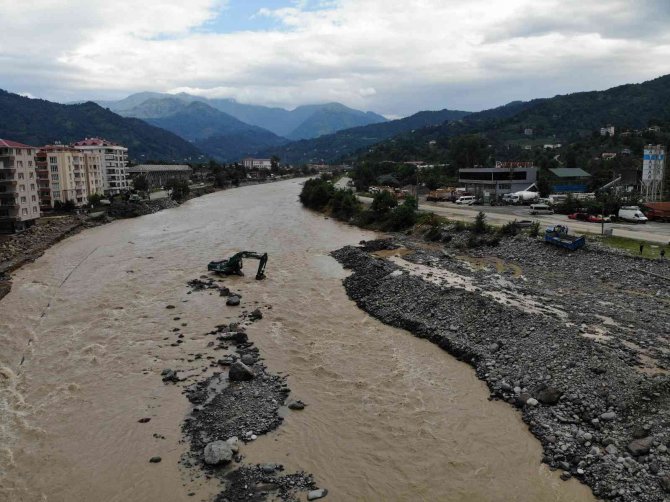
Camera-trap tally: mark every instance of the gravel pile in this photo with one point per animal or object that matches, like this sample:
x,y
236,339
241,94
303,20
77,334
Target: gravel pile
x,y
601,413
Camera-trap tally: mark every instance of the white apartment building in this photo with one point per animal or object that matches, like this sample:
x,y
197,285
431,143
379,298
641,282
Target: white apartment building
x,y
114,163
67,174
250,163
19,201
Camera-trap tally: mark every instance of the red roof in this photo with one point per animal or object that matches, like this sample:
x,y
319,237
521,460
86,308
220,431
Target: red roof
x,y
6,143
94,142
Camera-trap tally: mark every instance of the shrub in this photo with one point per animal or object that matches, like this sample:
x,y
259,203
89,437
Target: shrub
x,y
479,226
179,188
383,202
402,217
534,229
344,204
509,229
459,226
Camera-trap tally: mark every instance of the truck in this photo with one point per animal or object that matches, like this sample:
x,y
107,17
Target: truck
x,y
658,211
558,235
631,214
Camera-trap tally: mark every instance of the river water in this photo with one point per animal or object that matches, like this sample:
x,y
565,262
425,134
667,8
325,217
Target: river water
x,y
83,338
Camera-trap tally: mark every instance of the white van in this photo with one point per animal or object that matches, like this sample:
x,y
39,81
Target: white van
x,y
541,209
632,214
466,200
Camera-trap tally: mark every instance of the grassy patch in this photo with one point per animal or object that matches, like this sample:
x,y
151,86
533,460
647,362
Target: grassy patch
x,y
651,249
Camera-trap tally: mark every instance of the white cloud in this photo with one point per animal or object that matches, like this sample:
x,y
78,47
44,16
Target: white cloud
x,y
393,56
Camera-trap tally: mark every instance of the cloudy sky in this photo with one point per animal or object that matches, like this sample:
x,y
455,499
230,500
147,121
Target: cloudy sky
x,y
394,57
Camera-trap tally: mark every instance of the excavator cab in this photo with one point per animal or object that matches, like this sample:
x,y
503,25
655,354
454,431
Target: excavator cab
x,y
233,265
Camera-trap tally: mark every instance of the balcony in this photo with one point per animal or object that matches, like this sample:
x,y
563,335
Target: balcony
x,y
8,181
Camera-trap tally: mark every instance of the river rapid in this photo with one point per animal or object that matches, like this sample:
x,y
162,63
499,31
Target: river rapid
x,y
83,339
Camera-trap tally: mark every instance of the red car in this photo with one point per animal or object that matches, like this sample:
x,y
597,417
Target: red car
x,y
579,216
591,218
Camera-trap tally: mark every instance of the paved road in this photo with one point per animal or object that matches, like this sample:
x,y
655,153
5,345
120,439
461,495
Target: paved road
x,y
499,215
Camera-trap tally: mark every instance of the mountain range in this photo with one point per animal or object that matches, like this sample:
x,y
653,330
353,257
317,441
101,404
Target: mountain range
x,y
228,130
304,122
39,122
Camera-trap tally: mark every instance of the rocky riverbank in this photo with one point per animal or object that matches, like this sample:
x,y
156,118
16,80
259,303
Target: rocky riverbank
x,y
576,341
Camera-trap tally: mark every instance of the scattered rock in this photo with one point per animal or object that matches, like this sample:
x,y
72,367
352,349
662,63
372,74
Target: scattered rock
x,y
217,452
144,420
240,372
233,301
317,494
296,405
155,460
639,447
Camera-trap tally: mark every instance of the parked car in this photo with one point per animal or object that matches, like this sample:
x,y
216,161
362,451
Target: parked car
x,y
466,200
579,216
599,218
541,209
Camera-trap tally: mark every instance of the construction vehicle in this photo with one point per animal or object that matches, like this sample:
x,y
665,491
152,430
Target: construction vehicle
x,y
558,236
233,265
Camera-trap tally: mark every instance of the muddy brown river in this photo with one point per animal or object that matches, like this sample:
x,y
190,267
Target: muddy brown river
x,y
83,341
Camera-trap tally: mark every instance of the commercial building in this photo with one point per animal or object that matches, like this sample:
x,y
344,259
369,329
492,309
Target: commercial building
x,y
251,163
506,177
160,174
65,174
114,163
604,131
19,203
569,180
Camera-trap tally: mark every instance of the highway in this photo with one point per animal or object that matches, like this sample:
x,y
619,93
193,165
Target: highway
x,y
499,215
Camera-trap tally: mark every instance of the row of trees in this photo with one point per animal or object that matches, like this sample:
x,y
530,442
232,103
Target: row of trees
x,y
384,213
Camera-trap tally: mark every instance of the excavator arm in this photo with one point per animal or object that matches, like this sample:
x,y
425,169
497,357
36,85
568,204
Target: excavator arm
x,y
233,265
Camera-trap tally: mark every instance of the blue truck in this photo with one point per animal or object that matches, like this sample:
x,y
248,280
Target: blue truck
x,y
558,236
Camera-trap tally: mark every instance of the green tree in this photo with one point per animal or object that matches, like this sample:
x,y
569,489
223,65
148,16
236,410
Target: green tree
x,y
179,189
383,202
141,183
479,226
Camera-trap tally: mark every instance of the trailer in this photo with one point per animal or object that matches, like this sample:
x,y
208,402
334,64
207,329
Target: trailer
x,y
657,211
558,236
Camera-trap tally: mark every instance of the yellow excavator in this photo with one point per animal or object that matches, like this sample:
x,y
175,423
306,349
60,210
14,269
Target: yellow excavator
x,y
233,265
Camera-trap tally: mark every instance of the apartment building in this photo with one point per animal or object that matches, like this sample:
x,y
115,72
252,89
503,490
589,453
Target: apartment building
x,y
19,203
67,174
114,163
251,163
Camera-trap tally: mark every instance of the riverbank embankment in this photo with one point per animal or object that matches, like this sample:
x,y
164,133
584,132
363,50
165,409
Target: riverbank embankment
x,y
576,341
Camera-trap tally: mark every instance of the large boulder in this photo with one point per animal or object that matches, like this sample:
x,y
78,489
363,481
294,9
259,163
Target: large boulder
x,y
639,447
240,372
218,452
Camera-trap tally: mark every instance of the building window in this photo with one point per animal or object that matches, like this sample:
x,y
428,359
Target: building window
x,y
20,176
54,169
53,160
34,209
32,186
30,163
54,177
22,188
32,175
34,198
23,200
24,210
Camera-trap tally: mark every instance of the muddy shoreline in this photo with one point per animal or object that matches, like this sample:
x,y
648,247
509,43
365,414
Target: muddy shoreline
x,y
589,377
